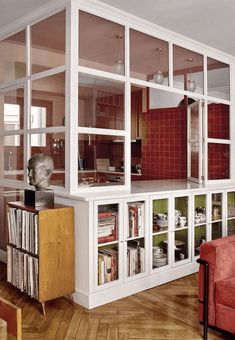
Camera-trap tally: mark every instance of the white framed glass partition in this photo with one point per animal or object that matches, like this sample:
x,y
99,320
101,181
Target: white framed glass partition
x,y
96,71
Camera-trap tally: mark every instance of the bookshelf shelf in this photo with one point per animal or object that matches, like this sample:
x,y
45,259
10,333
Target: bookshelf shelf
x,y
40,251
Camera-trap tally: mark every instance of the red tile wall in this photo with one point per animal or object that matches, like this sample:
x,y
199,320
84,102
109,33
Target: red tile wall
x,y
218,121
164,144
218,161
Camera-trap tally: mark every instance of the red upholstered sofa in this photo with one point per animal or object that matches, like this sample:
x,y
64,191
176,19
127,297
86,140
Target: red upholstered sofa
x,y
217,284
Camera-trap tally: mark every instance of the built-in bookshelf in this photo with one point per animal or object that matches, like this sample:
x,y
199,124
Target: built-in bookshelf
x,y
40,250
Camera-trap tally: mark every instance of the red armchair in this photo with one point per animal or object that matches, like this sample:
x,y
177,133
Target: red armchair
x,y
217,284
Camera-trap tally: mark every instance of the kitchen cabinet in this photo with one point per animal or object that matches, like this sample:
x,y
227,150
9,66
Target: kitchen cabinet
x,y
150,237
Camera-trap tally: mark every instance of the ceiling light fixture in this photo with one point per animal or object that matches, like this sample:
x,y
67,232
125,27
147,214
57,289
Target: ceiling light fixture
x,y
191,85
118,67
158,77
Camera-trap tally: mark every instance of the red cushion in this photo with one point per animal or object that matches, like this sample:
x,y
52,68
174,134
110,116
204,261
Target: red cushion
x,y
225,292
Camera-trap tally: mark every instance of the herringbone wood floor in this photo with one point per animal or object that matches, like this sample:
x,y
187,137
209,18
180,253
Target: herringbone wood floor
x,y
165,312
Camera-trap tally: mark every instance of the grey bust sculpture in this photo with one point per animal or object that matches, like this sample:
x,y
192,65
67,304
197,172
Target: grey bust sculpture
x,y
40,168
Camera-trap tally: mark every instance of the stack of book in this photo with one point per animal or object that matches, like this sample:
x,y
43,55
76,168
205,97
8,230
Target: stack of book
x,y
136,219
135,258
107,265
22,271
23,229
107,226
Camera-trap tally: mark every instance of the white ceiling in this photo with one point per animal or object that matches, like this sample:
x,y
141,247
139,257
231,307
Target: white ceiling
x,y
210,22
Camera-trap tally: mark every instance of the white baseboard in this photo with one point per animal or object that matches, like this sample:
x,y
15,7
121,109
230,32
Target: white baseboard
x,y
3,256
120,291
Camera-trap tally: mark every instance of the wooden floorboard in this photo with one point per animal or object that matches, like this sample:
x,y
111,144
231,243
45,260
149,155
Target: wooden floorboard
x,y
165,312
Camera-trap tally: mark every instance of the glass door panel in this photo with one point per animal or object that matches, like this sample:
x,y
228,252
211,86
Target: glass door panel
x,y
199,222
181,229
216,230
231,227
181,245
216,207
160,233
230,213
107,239
194,129
136,238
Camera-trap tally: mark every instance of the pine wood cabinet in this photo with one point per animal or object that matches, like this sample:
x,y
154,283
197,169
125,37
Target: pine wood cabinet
x,y
40,251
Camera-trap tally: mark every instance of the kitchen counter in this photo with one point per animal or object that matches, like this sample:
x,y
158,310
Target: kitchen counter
x,y
154,187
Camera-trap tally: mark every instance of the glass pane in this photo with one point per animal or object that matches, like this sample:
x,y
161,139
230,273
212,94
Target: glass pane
x,y
154,52
218,121
194,160
216,207
101,43
200,209
136,220
216,230
218,161
135,257
48,43
194,122
100,160
101,103
231,227
13,156
107,264
161,119
231,204
187,70
181,245
7,195
218,79
160,250
107,223
12,51
48,101
181,212
12,108
160,215
199,238
51,144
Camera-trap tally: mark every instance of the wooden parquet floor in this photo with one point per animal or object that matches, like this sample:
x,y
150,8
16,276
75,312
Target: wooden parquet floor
x,y
165,312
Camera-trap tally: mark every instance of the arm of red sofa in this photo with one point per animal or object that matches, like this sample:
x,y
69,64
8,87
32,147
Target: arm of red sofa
x,y
204,294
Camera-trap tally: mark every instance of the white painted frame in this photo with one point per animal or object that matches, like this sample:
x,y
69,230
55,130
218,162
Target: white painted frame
x,y
72,67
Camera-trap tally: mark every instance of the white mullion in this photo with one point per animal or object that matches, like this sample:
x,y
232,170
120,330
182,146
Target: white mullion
x,y
100,73
52,129
12,132
71,121
205,75
15,85
12,183
127,112
218,141
98,131
27,103
171,65
205,140
48,73
218,100
165,88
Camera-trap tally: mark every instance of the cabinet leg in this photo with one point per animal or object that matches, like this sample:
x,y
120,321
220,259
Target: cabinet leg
x,y
70,296
43,308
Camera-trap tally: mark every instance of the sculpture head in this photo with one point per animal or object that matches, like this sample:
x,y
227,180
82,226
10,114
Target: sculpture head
x,y
40,168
